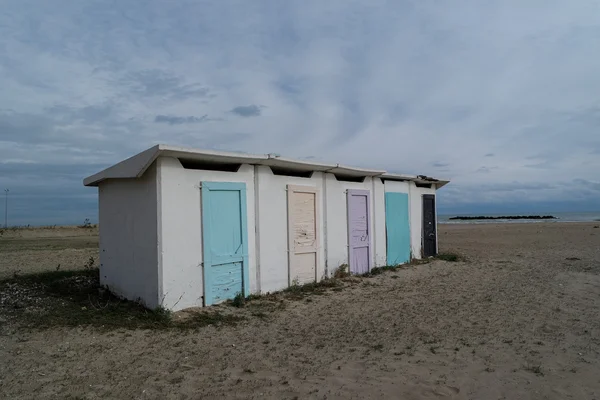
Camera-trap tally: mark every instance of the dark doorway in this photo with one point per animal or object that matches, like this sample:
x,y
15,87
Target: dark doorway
x,y
429,231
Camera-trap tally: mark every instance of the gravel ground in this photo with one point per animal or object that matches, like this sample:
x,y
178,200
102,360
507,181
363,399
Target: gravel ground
x,y
518,319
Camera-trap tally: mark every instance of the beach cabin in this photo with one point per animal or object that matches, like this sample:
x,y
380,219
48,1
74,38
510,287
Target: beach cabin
x,y
185,227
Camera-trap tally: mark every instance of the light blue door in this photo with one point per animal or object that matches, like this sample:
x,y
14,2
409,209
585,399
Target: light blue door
x,y
225,235
397,228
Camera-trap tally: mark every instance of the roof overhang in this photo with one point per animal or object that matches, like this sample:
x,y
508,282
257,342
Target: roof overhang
x,y
134,167
420,179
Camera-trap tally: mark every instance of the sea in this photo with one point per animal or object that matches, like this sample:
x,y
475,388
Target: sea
x,y
561,217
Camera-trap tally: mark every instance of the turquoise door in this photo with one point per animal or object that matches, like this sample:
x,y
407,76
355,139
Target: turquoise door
x,y
225,240
397,228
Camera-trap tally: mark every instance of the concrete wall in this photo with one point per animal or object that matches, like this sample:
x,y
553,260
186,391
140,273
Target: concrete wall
x,y
181,229
416,217
128,238
272,231
379,223
336,221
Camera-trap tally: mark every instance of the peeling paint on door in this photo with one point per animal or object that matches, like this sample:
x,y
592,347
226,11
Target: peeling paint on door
x,y
359,235
303,236
225,241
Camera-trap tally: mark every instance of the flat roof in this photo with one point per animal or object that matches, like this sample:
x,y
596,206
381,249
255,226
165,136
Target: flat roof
x,y
134,167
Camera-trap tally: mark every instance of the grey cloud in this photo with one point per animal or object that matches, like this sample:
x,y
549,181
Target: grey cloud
x,y
89,114
247,111
486,170
514,186
173,120
541,165
489,155
589,184
440,165
163,83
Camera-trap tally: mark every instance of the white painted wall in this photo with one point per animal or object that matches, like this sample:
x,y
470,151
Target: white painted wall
x,y
181,229
379,223
128,238
416,217
273,226
336,222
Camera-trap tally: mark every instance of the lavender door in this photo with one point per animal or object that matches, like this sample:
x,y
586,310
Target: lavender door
x,y
359,236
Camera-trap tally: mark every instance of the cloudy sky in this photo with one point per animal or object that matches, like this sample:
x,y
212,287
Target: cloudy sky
x,y
502,97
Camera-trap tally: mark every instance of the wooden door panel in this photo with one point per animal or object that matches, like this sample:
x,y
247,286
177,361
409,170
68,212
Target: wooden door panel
x,y
397,228
359,236
303,235
225,241
429,226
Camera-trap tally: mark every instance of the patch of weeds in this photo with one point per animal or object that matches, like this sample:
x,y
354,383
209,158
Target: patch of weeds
x,y
489,369
239,300
450,257
378,347
205,318
260,314
75,298
296,291
421,261
86,224
89,265
341,272
380,270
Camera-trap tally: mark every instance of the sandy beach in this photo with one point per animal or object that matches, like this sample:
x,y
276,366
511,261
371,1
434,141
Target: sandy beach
x,y
517,319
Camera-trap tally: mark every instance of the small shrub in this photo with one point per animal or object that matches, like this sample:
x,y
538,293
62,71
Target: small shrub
x,y
89,265
239,300
86,224
341,272
451,257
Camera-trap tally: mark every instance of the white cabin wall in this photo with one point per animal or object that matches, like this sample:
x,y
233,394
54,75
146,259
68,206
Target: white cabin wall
x,y
128,238
181,231
272,217
379,221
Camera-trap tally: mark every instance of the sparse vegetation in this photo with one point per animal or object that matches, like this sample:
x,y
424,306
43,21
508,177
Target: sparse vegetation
x,y
341,272
239,300
450,257
86,224
89,265
75,298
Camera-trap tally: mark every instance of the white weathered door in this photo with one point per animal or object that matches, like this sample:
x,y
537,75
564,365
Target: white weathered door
x,y
303,235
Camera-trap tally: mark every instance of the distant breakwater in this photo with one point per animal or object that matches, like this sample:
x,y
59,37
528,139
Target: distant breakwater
x,y
504,217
